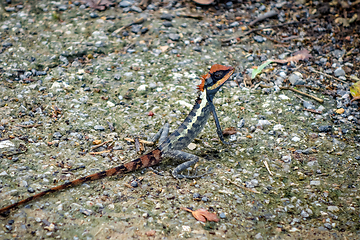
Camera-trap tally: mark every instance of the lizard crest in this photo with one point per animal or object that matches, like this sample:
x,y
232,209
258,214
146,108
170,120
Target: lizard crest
x,y
217,76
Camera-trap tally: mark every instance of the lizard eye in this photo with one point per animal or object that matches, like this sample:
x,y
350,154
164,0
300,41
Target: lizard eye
x,y
218,75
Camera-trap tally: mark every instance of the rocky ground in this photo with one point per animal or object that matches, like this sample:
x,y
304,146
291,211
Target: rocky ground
x,y
73,77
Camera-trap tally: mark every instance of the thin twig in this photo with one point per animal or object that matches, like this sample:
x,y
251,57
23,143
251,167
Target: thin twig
x,y
313,111
137,21
258,29
242,187
302,93
267,167
140,140
309,87
98,153
274,40
290,38
29,126
99,145
300,98
264,16
187,15
327,75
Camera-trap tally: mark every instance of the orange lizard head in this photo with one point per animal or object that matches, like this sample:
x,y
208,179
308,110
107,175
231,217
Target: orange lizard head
x,y
216,77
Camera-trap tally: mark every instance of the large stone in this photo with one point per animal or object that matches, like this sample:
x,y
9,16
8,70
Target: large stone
x,y
339,72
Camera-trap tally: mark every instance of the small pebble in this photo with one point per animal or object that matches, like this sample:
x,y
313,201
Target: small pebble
x,y
134,184
99,128
325,128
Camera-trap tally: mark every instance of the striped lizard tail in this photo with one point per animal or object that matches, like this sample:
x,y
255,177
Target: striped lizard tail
x,y
150,159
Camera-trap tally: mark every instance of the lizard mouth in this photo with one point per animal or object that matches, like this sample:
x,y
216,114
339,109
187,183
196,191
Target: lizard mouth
x,y
223,80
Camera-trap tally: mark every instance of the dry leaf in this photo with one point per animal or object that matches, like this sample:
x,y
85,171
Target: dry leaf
x,y
229,131
342,21
303,54
202,215
355,91
98,4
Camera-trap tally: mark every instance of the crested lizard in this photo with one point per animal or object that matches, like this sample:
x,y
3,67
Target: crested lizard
x,y
168,146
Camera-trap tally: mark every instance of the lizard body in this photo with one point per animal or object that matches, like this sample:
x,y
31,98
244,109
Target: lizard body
x,y
169,146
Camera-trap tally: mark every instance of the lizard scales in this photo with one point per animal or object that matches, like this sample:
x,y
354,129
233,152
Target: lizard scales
x,y
169,146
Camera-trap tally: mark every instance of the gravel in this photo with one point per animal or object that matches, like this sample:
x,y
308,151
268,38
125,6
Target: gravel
x,y
69,84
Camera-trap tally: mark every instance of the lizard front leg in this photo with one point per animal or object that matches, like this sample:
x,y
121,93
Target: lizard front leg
x,y
161,134
218,127
190,159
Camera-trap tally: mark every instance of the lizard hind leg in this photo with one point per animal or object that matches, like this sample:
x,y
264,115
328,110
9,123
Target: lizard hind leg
x,y
165,133
191,159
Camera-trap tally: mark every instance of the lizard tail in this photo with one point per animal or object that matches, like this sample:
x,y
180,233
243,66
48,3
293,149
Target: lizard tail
x,y
147,160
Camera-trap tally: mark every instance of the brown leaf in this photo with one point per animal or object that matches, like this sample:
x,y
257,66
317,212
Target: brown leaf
x,y
355,91
229,131
98,4
303,54
202,215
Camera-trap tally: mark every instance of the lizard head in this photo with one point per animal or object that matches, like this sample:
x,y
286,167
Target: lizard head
x,y
217,76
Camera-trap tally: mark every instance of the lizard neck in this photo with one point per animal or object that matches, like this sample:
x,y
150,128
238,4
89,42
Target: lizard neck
x,y
191,126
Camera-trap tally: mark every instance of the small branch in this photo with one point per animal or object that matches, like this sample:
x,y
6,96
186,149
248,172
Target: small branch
x,y
274,40
258,29
312,110
327,75
300,97
264,16
302,93
98,153
29,126
140,140
242,187
309,87
101,144
137,21
187,15
265,86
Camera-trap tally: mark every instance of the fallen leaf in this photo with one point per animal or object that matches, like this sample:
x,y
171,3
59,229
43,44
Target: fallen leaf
x,y
229,131
342,21
355,91
98,4
354,18
96,142
202,215
303,54
258,70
